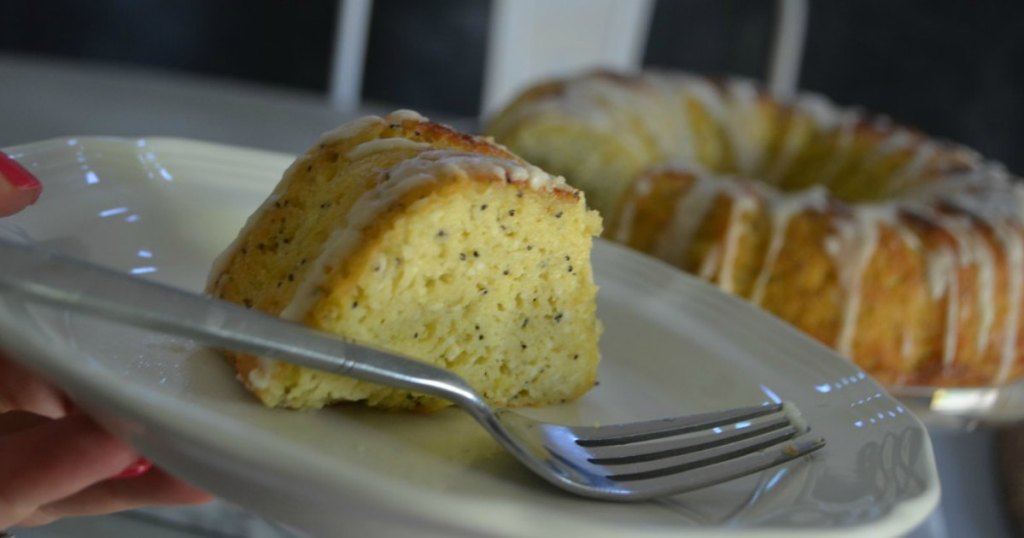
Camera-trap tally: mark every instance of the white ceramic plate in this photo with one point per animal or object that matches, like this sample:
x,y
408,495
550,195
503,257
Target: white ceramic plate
x,y
163,208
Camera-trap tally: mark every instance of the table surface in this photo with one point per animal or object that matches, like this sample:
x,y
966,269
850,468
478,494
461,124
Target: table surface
x,y
46,98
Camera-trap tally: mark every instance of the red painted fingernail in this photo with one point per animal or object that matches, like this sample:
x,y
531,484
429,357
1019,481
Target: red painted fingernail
x,y
18,187
16,175
139,467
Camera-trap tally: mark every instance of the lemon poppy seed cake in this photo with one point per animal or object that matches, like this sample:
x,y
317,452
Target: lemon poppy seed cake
x,y
407,235
904,253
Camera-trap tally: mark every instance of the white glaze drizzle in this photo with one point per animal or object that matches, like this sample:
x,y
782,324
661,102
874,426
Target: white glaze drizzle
x,y
742,205
907,344
858,242
911,172
897,140
741,114
404,114
682,147
1015,257
688,214
349,129
974,250
783,209
606,107
943,265
986,293
384,144
668,126
358,125
826,115
999,208
624,226
948,277
707,95
1013,204
709,265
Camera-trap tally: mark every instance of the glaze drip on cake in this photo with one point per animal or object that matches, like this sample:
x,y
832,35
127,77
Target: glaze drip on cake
x,y
902,252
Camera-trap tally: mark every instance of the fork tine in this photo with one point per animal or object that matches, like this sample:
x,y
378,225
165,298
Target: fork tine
x,y
634,468
670,481
633,432
697,442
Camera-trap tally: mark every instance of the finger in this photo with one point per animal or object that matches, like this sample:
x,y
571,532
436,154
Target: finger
x,y
154,488
15,421
22,390
18,187
51,461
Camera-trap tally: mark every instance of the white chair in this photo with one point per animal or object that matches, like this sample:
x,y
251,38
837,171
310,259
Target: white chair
x,y
532,39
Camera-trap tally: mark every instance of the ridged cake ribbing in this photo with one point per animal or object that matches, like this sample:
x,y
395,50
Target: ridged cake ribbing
x,y
902,252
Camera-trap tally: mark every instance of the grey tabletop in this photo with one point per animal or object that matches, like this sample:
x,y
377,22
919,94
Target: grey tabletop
x,y
43,98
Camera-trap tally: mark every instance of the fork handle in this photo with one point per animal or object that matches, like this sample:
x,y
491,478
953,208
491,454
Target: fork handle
x,y
47,277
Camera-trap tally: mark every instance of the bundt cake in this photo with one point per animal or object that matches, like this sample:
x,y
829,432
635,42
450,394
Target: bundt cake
x,y
408,235
904,253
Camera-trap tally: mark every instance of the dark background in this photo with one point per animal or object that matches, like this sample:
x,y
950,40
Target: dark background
x,y
954,69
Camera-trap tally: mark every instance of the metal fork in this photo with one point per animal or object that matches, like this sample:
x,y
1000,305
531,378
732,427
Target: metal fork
x,y
622,462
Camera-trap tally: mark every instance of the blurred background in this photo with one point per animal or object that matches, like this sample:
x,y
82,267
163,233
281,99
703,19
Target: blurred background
x,y
265,73
950,68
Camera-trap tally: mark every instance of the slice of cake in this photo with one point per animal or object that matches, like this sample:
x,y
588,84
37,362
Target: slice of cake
x,y
447,248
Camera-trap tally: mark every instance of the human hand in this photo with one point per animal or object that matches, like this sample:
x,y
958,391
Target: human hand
x,y
54,460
